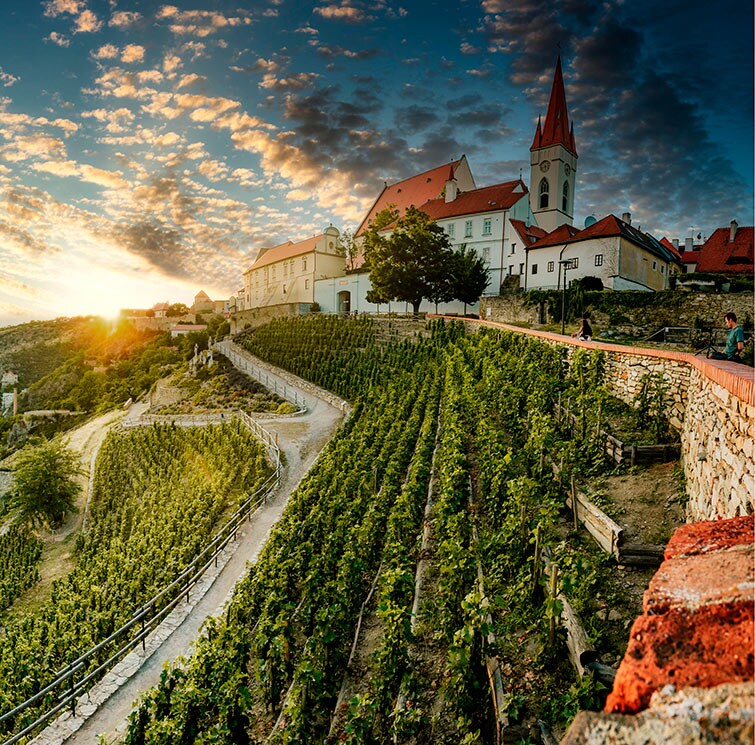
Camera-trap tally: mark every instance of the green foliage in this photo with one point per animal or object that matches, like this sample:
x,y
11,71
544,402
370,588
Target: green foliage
x,y
159,493
470,276
45,486
651,406
21,552
414,263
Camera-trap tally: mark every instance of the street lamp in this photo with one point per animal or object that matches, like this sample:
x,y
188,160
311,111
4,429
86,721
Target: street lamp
x,y
566,263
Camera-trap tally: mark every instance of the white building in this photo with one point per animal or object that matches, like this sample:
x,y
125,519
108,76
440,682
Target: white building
x,y
620,255
286,274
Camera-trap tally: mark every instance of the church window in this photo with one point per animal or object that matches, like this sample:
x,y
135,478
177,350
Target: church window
x,y
304,265
565,197
521,269
486,226
663,269
468,229
511,268
598,259
534,268
655,265
451,230
486,253
551,266
544,189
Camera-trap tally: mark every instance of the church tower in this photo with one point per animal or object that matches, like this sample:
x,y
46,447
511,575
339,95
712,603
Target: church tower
x,y
553,162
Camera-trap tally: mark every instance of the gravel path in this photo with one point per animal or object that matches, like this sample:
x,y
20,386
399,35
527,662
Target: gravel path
x,y
300,440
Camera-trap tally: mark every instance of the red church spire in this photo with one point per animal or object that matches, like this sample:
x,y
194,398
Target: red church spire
x,y
538,136
556,130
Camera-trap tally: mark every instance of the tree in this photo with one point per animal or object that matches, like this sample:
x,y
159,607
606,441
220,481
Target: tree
x,y
349,249
176,310
470,276
373,240
413,263
45,489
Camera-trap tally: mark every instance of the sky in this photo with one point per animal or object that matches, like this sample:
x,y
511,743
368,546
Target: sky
x,y
147,150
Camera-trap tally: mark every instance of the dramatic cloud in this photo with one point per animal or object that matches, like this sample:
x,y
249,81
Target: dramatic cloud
x,y
124,19
59,39
344,12
132,53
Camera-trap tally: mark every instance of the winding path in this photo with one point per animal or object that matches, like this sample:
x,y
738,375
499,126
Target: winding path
x,y
300,439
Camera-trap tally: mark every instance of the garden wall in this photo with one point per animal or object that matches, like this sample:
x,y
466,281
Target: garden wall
x,y
633,313
711,403
255,317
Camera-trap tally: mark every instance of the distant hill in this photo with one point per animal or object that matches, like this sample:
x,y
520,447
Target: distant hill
x,y
33,350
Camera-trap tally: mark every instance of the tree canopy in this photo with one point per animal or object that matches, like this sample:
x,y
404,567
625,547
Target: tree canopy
x,y
413,263
417,262
45,488
470,276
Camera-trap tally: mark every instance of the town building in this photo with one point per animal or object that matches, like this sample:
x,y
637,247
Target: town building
x,y
612,250
184,329
286,274
727,251
202,303
553,162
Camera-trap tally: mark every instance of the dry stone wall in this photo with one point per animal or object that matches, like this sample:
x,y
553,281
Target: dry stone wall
x,y
710,403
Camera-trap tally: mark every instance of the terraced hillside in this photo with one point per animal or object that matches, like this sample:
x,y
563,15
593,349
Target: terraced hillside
x,y
411,590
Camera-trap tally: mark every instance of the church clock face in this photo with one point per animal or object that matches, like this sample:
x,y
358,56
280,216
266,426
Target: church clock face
x,y
545,165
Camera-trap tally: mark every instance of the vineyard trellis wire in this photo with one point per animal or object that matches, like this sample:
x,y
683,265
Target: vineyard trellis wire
x,y
149,614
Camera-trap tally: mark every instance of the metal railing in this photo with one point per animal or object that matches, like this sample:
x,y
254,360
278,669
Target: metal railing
x,y
151,613
262,376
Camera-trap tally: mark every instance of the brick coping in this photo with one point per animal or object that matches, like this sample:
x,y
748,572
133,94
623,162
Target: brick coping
x,y
738,379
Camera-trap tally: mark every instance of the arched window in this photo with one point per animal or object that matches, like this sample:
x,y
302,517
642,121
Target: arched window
x,y
565,198
544,188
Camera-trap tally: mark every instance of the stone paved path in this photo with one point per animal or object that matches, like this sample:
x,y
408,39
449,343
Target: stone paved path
x,y
300,440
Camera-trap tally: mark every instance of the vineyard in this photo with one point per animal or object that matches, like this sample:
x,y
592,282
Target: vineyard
x,y
21,552
159,495
412,590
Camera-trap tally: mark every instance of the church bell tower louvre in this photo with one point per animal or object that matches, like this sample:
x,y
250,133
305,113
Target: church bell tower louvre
x,y
553,162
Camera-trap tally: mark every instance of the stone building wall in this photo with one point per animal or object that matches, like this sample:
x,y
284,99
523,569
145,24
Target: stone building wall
x,y
710,403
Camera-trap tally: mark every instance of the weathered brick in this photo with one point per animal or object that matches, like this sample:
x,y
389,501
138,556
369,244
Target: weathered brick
x,y
691,581
704,537
705,647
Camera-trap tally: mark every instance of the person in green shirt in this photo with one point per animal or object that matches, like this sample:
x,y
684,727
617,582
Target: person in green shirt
x,y
735,340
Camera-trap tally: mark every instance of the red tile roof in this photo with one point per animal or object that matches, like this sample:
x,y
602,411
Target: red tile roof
x,y
610,226
487,199
415,190
671,247
721,256
556,129
284,251
528,233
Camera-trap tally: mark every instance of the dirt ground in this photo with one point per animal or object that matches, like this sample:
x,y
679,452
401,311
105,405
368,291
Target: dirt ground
x,y
646,502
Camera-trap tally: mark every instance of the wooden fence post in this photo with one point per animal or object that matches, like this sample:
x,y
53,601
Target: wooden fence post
x,y
553,594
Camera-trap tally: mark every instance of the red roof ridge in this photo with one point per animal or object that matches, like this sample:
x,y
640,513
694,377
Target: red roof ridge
x,y
556,129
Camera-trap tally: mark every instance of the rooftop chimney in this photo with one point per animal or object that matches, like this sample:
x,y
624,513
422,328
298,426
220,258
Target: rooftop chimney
x,y
675,242
452,186
627,217
689,244
733,230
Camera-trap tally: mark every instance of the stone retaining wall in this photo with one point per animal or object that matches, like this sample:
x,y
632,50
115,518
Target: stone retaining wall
x,y
711,403
633,313
255,317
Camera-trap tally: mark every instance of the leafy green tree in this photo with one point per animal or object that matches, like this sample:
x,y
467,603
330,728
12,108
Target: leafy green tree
x,y
414,262
177,310
470,276
349,249
45,488
373,240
